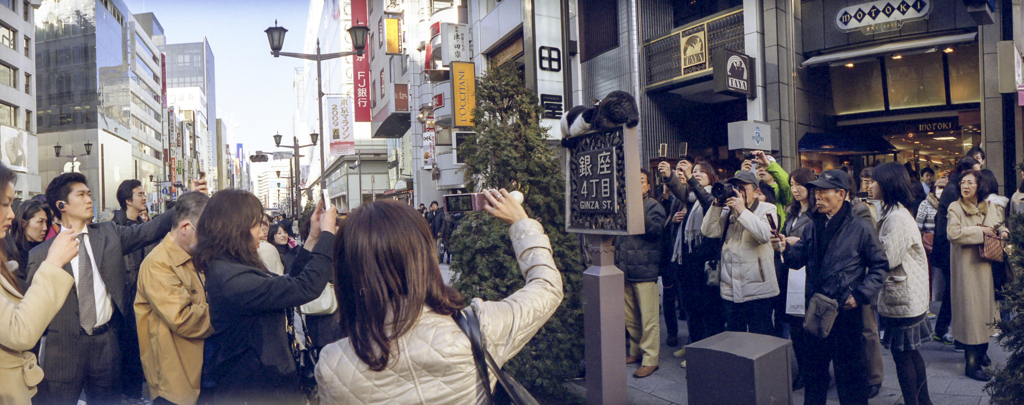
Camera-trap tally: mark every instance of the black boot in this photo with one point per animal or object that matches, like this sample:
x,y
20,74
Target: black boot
x,y
983,355
973,367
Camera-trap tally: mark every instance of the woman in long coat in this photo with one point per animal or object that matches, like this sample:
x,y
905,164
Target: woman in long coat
x,y
973,297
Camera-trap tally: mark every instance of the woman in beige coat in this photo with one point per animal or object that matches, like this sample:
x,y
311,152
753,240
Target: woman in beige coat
x,y
24,317
973,298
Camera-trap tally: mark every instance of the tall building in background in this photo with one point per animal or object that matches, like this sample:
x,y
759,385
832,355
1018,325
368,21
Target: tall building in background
x,y
18,142
192,90
99,82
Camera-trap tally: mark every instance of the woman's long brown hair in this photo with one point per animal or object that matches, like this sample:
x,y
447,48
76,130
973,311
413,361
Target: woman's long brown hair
x,y
7,179
386,268
223,230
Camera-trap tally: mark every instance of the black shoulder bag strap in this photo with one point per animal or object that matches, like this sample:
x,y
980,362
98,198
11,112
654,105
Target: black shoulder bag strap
x,y
470,325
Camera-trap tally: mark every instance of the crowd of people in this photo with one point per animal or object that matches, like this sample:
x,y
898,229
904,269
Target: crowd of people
x,y
215,302
865,250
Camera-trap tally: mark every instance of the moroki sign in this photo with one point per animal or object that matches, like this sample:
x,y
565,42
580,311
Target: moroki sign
x,y
882,13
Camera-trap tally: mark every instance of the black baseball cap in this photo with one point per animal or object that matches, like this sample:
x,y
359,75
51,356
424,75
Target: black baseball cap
x,y
745,177
832,179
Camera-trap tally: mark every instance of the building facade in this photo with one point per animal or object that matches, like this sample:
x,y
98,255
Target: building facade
x,y
100,84
192,87
18,141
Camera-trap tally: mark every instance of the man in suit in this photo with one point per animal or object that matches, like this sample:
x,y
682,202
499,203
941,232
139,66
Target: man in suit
x,y
132,198
82,349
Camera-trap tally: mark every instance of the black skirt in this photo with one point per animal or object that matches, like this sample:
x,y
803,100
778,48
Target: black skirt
x,y
906,334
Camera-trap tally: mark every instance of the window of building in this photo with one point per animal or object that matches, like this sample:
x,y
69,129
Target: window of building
x,y
915,80
7,75
7,114
688,11
8,37
28,120
599,27
28,83
25,9
964,83
857,87
7,3
28,43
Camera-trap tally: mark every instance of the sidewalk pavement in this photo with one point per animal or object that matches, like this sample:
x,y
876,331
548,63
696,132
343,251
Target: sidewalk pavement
x,y
946,381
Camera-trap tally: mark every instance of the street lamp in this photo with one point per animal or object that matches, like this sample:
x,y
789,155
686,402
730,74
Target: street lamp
x,y
294,167
275,35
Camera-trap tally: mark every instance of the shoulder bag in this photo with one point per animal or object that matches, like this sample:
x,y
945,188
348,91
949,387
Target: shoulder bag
x,y
822,311
713,268
305,355
470,325
325,304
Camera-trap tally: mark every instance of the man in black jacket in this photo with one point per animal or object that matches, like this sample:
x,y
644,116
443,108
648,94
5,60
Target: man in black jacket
x,y
835,250
639,256
132,198
671,271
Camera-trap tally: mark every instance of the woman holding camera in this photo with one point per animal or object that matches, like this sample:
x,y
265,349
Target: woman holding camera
x,y
903,300
25,316
248,357
403,345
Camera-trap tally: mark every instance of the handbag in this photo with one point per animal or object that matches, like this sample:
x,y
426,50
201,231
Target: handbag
x,y
894,289
470,325
325,304
795,287
928,240
992,249
305,355
821,315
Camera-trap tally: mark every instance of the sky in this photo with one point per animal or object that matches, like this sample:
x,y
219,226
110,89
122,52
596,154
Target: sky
x,y
254,90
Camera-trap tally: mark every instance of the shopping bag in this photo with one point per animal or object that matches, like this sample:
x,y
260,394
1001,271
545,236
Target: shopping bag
x,y
795,300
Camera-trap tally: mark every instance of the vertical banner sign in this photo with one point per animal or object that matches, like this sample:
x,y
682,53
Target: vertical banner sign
x,y
455,43
393,32
463,93
401,97
340,120
361,69
428,149
548,41
163,79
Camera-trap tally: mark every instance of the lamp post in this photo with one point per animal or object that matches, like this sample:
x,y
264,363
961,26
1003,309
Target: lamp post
x,y
295,162
74,158
275,35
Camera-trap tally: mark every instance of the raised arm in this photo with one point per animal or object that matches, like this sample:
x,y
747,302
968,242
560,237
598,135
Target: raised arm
x,y
714,222
23,323
785,195
253,292
704,198
139,236
757,224
509,324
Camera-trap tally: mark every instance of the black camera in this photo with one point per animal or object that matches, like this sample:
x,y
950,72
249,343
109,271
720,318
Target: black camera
x,y
722,192
749,156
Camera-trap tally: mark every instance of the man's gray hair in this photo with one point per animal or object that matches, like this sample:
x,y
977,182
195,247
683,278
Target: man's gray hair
x,y
189,207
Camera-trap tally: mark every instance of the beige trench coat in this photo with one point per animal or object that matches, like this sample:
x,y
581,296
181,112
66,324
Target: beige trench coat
x,y
971,288
23,319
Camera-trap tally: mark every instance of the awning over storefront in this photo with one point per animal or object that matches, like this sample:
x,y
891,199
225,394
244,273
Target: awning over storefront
x,y
844,144
890,47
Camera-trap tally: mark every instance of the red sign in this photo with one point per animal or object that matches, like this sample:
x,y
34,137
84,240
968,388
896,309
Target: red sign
x,y
361,68
438,100
163,79
401,97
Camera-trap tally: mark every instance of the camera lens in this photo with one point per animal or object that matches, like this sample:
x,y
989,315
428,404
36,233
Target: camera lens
x,y
722,192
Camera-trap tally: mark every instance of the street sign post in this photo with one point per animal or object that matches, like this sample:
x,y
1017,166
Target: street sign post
x,y
603,199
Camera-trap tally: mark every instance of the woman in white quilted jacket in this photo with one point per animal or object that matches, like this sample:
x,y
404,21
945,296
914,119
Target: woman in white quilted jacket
x,y
402,344
903,299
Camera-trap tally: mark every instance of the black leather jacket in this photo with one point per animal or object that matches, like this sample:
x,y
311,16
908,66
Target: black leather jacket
x,y
639,256
841,271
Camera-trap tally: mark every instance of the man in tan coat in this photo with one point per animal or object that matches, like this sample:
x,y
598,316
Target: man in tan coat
x,y
171,310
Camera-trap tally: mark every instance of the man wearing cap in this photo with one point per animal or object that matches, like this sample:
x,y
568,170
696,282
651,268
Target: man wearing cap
x,y
747,278
835,250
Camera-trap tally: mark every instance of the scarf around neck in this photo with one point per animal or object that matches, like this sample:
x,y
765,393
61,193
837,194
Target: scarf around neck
x,y
689,233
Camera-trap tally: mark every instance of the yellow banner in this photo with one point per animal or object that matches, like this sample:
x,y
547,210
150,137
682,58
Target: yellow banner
x,y
463,92
393,35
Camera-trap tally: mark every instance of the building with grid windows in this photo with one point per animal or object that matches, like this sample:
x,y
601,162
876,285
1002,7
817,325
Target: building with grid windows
x,y
17,95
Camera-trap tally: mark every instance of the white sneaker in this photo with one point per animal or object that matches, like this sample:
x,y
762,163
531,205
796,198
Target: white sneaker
x,y
683,364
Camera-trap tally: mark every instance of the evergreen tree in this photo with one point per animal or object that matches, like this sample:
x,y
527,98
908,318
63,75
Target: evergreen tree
x,y
1007,388
509,152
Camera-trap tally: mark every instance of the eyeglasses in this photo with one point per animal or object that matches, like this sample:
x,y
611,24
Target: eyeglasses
x,y
193,227
820,191
967,184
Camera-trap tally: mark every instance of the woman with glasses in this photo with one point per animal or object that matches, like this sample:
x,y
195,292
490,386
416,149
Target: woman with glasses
x,y
970,220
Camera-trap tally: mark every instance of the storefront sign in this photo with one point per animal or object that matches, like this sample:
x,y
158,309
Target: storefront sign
x,y
750,135
734,73
455,43
361,70
340,119
509,52
438,100
394,36
394,6
865,15
603,185
163,79
428,149
401,97
932,126
443,103
464,92
693,45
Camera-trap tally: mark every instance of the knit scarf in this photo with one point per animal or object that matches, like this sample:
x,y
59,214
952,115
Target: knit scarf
x,y
827,229
689,233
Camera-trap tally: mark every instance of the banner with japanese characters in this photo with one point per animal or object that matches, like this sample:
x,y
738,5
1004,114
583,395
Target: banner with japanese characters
x,y
361,70
340,120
